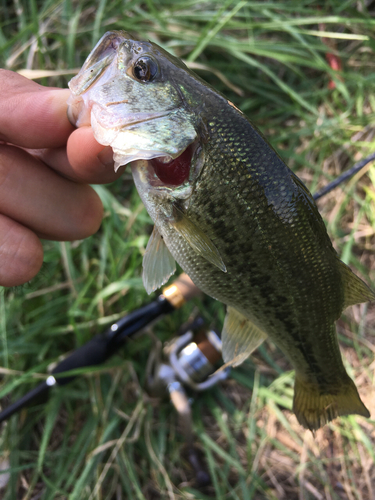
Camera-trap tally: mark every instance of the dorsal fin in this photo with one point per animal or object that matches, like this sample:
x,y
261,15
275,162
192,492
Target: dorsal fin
x,y
355,290
240,337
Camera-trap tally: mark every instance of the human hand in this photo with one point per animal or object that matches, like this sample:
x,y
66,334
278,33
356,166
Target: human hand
x,y
45,166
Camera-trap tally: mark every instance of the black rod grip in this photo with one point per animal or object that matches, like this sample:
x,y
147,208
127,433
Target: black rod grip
x,y
91,354
97,350
135,322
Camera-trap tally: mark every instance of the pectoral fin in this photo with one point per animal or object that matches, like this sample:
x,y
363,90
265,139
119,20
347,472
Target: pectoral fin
x,y
158,263
240,338
197,239
355,290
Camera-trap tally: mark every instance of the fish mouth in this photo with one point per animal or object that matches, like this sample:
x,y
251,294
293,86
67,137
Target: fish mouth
x,y
170,172
134,136
173,172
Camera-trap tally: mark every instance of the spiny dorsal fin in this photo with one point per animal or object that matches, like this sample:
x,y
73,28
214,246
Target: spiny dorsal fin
x,y
158,263
240,337
314,408
355,290
197,239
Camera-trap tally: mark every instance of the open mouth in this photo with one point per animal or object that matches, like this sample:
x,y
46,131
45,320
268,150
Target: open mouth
x,y
164,171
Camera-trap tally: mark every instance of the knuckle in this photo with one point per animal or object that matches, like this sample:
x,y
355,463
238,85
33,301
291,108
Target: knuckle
x,y
21,253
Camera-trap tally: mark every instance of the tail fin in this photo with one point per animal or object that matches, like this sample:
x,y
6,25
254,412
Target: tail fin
x,y
314,409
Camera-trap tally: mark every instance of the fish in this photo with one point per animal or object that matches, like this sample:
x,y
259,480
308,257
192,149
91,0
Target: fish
x,y
229,211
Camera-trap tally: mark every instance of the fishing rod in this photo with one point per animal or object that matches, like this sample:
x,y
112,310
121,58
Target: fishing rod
x,y
345,176
102,346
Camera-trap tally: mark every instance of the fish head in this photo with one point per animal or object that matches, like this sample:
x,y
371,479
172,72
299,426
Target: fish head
x,y
133,94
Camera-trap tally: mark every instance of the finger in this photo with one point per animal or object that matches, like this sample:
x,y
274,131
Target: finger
x,y
21,253
58,160
31,115
88,158
90,162
39,198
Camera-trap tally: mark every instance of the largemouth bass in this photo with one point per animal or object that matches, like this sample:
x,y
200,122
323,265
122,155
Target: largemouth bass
x,y
229,211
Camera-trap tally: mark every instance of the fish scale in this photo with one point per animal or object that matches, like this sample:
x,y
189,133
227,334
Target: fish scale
x,y
259,223
241,224
286,228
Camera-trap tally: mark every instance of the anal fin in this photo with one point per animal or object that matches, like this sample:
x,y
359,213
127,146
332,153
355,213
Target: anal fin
x,y
355,290
240,337
158,263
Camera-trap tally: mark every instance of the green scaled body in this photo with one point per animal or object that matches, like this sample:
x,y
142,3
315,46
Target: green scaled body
x,y
240,223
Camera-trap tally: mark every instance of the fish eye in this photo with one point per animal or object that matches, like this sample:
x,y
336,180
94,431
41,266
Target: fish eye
x,y
145,69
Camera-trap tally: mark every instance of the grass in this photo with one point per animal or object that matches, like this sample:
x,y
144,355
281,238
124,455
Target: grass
x,y
102,437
